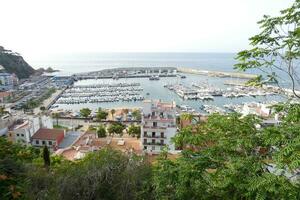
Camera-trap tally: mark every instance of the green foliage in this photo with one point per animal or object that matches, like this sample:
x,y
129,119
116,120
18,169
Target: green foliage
x,y
56,116
137,115
101,131
15,64
46,157
13,160
85,112
275,48
101,115
134,131
228,158
116,128
3,111
34,103
106,174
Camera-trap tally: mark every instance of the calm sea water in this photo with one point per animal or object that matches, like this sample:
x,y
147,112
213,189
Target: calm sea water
x,y
75,63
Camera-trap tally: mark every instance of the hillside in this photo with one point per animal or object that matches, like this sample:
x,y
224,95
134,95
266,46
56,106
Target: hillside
x,y
14,63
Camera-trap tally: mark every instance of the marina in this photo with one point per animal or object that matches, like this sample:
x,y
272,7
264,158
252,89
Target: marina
x,y
97,93
206,92
196,93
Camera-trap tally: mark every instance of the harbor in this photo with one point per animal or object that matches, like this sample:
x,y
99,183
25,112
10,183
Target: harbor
x,y
198,93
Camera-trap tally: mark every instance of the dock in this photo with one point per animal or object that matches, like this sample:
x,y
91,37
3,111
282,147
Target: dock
x,y
216,73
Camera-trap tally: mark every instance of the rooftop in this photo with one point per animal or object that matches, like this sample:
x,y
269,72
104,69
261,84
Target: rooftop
x,y
48,134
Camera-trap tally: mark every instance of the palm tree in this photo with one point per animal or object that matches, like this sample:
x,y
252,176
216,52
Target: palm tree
x,y
113,111
56,116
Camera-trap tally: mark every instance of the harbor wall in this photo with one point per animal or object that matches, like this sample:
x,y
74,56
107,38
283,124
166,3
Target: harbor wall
x,y
216,73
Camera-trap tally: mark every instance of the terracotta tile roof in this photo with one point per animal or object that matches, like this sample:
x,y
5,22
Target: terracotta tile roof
x,y
48,134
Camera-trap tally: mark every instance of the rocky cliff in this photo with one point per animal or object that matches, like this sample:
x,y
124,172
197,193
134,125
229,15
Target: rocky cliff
x,y
14,63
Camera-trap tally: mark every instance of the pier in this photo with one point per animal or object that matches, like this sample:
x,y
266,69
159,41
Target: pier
x,y
216,73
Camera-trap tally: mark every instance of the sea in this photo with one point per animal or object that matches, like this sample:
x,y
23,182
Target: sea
x,y
85,62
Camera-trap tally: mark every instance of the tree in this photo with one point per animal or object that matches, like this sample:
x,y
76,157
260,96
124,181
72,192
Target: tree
x,y
46,157
101,115
116,128
113,111
2,110
134,131
85,112
229,158
42,108
14,161
56,116
124,176
137,115
276,49
101,131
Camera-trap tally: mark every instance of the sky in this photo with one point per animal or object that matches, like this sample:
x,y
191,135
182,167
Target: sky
x,y
36,28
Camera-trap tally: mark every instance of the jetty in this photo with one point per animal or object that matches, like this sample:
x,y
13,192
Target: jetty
x,y
216,73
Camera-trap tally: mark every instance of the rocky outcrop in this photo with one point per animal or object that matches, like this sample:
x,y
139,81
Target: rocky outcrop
x,y
14,63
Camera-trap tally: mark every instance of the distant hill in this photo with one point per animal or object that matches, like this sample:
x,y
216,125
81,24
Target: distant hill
x,y
14,63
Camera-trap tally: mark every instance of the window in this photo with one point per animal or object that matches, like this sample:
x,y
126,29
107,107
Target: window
x,y
153,114
161,114
37,142
145,147
162,134
18,134
153,148
145,141
50,142
153,134
154,124
153,141
145,133
162,142
22,135
43,142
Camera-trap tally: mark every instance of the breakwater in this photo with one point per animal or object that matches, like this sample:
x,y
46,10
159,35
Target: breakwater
x,y
216,73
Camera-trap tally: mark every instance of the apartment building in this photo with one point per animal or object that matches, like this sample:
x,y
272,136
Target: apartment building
x,y
8,81
158,126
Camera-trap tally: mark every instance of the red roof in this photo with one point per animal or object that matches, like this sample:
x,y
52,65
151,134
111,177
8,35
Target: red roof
x,y
48,134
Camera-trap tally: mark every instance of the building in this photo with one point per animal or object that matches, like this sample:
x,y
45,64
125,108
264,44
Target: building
x,y
24,129
48,137
7,81
158,126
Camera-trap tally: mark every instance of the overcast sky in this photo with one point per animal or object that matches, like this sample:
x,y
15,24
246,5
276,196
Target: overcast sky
x,y
37,28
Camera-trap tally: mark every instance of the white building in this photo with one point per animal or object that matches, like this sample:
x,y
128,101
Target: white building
x,y
7,81
24,129
158,126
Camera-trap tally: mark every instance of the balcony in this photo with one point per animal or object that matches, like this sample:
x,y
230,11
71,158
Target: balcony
x,y
155,143
158,118
158,127
155,137
155,127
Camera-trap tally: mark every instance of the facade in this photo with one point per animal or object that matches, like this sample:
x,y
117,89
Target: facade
x,y
24,129
8,81
158,126
48,137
